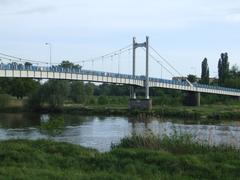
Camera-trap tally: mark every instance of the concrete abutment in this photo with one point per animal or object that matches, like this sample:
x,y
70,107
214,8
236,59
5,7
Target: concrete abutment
x,y
140,104
193,99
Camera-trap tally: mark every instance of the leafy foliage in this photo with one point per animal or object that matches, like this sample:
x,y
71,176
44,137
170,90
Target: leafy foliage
x,y
223,68
102,100
54,126
77,92
4,100
18,87
53,93
205,72
192,78
68,64
234,78
135,158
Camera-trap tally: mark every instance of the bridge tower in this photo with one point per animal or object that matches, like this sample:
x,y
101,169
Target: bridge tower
x,y
134,102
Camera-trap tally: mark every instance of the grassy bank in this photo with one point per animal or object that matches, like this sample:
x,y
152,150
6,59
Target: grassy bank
x,y
213,112
135,158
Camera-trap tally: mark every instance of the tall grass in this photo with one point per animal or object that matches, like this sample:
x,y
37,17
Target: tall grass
x,y
177,144
136,157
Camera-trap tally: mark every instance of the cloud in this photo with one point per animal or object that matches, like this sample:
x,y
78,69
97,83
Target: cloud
x,y
235,18
195,28
38,10
10,2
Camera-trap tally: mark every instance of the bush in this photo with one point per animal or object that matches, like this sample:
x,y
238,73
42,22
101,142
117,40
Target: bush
x,y
92,100
4,100
33,102
54,126
102,100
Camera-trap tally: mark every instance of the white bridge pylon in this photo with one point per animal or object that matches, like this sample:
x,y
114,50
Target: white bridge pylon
x,y
146,46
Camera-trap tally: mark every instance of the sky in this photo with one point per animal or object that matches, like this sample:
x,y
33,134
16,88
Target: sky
x,y
184,32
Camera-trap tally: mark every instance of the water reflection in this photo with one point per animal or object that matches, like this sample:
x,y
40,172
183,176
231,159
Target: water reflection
x,y
100,132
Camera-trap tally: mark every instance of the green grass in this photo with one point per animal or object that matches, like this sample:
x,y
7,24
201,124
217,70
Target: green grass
x,y
213,112
136,157
217,112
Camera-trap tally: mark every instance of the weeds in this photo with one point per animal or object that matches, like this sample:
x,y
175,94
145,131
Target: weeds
x,y
54,126
136,157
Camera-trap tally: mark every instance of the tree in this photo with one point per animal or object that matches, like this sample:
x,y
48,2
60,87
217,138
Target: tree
x,y
77,92
22,87
233,80
28,65
4,100
223,68
192,78
205,72
18,87
35,101
89,89
68,64
103,100
54,93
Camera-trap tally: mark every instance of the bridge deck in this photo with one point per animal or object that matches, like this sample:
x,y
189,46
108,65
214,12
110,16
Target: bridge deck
x,y
21,71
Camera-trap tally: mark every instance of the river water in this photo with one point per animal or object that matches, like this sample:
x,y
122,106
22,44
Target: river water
x,y
100,132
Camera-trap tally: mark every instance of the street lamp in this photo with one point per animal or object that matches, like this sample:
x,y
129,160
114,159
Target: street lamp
x,y
50,52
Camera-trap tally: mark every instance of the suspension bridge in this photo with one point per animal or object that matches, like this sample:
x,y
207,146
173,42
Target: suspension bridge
x,y
16,67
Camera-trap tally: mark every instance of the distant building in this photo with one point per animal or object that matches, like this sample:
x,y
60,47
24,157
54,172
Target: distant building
x,y
178,78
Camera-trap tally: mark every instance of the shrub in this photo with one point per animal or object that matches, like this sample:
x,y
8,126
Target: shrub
x,y
34,101
54,126
4,100
102,100
92,100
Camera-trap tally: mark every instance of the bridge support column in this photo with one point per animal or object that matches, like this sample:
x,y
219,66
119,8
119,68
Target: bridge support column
x,y
132,89
147,69
193,99
133,93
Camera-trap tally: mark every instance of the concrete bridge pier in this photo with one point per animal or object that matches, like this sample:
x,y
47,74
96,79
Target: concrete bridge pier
x,y
140,104
238,98
193,99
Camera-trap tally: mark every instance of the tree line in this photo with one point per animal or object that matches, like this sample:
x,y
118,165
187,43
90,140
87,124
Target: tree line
x,y
227,77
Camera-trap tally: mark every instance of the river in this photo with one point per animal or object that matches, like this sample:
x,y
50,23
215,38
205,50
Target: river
x,y
100,132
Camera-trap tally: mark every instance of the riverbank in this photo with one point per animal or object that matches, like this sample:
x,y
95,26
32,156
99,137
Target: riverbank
x,y
205,112
215,112
134,158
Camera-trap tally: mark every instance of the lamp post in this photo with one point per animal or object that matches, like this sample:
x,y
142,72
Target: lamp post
x,y
50,52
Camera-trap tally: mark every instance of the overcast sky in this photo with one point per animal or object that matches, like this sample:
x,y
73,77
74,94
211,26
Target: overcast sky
x,y
183,31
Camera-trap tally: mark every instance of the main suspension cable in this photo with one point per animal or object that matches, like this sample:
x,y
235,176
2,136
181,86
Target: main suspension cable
x,y
114,53
166,61
10,57
159,62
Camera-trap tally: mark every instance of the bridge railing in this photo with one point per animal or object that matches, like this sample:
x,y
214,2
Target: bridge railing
x,y
59,69
216,87
197,85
